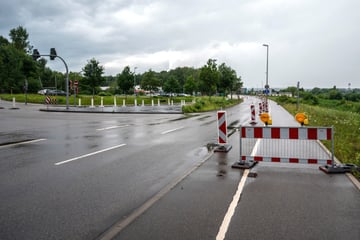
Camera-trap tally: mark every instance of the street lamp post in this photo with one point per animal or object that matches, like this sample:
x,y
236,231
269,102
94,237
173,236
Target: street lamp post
x,y
267,66
267,75
134,80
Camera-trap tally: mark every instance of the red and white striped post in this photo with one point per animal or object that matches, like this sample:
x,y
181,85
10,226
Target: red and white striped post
x,y
222,128
260,108
222,133
252,108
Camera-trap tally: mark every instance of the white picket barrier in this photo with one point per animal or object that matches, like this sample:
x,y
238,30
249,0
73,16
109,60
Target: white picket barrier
x,y
285,145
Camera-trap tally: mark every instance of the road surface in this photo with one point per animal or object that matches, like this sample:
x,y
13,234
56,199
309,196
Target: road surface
x,y
81,175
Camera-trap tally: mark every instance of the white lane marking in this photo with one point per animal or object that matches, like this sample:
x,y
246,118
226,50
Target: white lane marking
x,y
253,153
112,127
230,212
22,143
89,154
171,130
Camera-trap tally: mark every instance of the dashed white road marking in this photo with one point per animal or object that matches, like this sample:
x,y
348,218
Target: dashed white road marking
x,y
172,130
112,127
89,154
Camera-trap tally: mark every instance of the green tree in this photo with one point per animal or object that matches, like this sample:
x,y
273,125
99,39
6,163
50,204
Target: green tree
x,y
11,72
171,85
93,72
149,81
19,38
190,85
125,80
228,81
209,78
335,94
292,90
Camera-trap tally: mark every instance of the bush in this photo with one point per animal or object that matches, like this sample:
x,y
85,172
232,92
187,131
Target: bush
x,y
310,98
104,94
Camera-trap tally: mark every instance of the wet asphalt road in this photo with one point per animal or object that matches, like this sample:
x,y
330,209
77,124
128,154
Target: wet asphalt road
x,y
84,197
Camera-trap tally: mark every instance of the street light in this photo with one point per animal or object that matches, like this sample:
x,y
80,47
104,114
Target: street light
x,y
134,80
267,77
267,66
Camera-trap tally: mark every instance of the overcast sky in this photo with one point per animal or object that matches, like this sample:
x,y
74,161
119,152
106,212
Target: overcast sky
x,y
315,42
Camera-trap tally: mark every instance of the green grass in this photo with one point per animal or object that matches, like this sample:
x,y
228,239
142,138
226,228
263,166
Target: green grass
x,y
346,127
204,104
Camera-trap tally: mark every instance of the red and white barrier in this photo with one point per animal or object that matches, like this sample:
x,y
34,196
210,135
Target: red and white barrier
x,y
252,108
286,160
287,133
285,145
222,128
222,133
260,108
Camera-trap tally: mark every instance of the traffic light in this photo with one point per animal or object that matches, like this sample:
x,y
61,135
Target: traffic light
x,y
35,54
52,53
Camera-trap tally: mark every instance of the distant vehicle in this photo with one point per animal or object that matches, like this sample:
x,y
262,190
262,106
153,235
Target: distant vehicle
x,y
43,91
56,93
183,95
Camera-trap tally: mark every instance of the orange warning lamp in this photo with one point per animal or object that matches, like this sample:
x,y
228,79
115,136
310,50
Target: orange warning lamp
x,y
265,117
302,118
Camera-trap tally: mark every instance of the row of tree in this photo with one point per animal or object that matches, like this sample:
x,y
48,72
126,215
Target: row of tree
x,y
334,93
19,72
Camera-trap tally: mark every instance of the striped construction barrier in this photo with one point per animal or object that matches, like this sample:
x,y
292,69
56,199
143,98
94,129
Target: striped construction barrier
x,y
222,128
284,145
50,100
222,133
287,133
252,109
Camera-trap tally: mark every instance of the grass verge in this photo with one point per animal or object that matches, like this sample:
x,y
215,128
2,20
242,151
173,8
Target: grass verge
x,y
346,126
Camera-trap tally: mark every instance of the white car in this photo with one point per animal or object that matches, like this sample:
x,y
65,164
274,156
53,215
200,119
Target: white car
x,y
43,91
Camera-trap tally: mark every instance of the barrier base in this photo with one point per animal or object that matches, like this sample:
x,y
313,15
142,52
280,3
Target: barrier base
x,y
339,168
244,165
223,148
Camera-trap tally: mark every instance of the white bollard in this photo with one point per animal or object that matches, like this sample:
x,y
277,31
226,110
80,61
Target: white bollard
x,y
159,102
172,102
102,102
135,102
169,101
114,101
92,103
152,102
79,102
142,103
14,102
124,103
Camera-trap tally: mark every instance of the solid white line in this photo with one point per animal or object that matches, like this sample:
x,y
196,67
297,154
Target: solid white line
x,y
112,127
255,147
22,143
172,130
230,212
89,154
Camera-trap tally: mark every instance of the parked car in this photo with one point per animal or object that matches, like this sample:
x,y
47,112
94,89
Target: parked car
x,y
56,93
43,91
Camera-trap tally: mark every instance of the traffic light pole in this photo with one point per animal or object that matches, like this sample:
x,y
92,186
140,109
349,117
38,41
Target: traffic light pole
x,y
52,56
